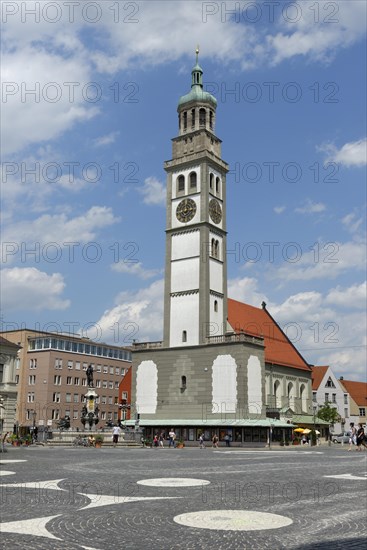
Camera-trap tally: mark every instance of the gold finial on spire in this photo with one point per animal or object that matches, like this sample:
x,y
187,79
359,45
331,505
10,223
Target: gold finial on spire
x,y
197,53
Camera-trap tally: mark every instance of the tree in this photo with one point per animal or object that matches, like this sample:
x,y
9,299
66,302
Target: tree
x,y
328,414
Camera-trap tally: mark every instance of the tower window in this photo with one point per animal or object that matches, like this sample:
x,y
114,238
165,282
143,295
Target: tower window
x,y
202,117
215,248
215,305
193,180
217,185
183,382
211,181
211,120
193,118
180,184
184,336
185,120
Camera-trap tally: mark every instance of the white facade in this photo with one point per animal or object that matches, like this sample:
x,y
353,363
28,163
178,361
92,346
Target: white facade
x,y
332,392
147,387
254,385
184,321
224,384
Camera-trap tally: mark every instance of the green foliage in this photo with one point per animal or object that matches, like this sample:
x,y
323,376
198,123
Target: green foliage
x,y
328,414
99,438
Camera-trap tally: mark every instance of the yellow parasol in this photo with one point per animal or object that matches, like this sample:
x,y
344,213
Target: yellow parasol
x,y
298,430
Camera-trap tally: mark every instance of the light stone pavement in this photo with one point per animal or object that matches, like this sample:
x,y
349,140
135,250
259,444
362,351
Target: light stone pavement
x,y
230,499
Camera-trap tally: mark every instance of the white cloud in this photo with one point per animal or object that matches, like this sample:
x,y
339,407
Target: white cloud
x,y
311,207
350,154
106,140
58,228
30,289
153,191
279,209
139,314
245,290
352,222
325,261
136,269
352,297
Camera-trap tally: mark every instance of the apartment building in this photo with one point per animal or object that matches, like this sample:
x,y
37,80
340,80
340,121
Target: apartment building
x,y
51,377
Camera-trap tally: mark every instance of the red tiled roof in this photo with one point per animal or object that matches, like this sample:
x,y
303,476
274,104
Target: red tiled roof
x,y
318,374
357,391
258,322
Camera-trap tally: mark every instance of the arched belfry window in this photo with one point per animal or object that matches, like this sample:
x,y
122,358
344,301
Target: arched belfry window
x,y
202,117
211,181
184,336
214,248
193,180
215,305
193,118
211,120
183,382
180,184
217,185
185,120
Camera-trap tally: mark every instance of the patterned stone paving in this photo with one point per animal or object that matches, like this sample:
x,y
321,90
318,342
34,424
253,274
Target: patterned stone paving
x,y
64,498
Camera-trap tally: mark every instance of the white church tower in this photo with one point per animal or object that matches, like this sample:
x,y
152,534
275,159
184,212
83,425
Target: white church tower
x,y
195,299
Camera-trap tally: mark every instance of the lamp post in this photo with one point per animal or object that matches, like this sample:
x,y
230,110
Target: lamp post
x,y
314,420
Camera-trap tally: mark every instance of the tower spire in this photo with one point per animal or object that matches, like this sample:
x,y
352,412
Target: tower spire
x,y
197,54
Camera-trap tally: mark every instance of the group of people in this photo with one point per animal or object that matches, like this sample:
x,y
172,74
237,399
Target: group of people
x,y
158,440
357,437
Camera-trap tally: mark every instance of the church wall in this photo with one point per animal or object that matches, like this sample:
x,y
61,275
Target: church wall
x,y
298,378
186,245
216,276
186,173
185,275
182,319
196,400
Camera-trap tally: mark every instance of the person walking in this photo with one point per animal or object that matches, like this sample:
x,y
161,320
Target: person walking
x,y
172,437
215,441
115,435
161,440
352,436
360,438
227,440
201,441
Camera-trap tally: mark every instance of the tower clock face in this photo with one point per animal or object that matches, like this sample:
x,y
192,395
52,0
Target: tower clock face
x,y
186,210
215,211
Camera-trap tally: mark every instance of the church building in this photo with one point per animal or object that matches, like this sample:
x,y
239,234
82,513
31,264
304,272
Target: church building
x,y
223,367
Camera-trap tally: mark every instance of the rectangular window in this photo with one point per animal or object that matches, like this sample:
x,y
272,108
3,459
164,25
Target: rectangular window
x,y
111,370
55,415
98,383
110,400
116,385
334,397
85,366
84,382
314,395
76,398
99,368
115,416
67,345
17,378
33,363
346,414
105,369
117,371
56,397
69,380
103,415
362,411
76,381
104,400
345,399
30,397
31,379
104,384
68,398
110,385
326,397
124,395
116,400
57,380
75,415
58,363
70,364
77,365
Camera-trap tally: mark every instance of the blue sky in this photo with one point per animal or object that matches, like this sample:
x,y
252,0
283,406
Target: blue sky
x,y
290,85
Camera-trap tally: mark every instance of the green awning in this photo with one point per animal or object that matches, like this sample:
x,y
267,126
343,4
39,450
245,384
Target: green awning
x,y
308,419
244,423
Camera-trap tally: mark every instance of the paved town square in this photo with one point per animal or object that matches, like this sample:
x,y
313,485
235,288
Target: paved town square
x,y
191,498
